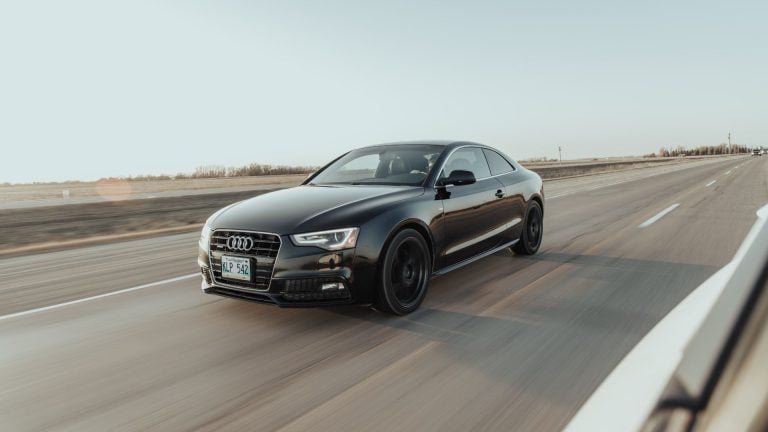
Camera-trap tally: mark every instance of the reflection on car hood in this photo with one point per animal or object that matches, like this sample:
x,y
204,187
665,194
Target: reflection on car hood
x,y
310,208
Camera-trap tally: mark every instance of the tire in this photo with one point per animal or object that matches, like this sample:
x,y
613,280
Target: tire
x,y
405,273
533,231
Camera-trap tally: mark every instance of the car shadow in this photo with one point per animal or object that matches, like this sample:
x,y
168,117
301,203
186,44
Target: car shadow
x,y
575,329
525,332
602,279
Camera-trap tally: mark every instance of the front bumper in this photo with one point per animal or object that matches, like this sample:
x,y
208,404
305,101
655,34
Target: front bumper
x,y
304,292
302,277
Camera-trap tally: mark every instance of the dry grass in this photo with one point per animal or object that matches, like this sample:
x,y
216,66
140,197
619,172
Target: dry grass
x,y
122,187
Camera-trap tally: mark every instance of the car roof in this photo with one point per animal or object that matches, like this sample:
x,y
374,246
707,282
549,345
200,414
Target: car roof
x,y
445,143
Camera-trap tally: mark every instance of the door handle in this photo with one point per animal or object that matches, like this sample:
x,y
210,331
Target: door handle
x,y
499,194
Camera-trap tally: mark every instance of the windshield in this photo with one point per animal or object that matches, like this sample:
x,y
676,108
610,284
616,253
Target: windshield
x,y
406,165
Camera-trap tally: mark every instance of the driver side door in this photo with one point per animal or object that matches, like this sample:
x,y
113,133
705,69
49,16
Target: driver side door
x,y
475,214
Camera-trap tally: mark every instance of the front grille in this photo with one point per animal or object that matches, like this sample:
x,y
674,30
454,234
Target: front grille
x,y
264,252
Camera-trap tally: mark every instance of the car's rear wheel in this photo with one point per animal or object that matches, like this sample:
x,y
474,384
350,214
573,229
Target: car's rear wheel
x,y
533,231
405,273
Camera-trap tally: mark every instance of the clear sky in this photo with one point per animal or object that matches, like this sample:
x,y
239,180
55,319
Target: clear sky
x,y
92,88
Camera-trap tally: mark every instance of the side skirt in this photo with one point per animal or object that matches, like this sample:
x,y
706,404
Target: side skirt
x,y
467,261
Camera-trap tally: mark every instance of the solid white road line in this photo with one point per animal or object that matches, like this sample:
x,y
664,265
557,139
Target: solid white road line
x,y
658,216
711,183
83,300
727,173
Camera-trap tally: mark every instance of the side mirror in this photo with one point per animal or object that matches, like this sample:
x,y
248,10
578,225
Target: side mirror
x,y
458,178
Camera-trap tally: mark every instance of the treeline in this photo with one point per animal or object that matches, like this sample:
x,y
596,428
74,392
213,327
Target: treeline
x,y
722,149
213,171
218,171
538,159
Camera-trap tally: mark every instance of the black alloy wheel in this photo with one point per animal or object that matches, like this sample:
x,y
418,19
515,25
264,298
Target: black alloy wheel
x,y
405,273
533,231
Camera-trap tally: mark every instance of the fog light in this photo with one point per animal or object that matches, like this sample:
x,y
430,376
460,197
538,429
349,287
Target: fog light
x,y
332,286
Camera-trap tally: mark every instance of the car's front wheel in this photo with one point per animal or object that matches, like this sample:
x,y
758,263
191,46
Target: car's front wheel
x,y
405,273
533,231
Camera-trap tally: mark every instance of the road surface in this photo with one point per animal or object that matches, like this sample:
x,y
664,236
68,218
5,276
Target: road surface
x,y
119,336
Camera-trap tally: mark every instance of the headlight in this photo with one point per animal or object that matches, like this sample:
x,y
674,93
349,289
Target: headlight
x,y
205,236
332,240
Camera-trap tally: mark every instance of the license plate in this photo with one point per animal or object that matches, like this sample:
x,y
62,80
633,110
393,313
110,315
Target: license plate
x,y
236,268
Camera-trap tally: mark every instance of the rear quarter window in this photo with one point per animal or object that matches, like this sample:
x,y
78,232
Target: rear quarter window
x,y
498,164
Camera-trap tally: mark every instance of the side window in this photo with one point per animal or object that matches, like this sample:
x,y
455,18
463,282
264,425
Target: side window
x,y
498,164
467,159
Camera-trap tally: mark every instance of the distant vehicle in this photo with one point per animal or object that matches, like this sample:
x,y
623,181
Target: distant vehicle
x,y
757,152
374,226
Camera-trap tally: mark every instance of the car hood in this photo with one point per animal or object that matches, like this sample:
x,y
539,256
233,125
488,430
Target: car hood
x,y
310,208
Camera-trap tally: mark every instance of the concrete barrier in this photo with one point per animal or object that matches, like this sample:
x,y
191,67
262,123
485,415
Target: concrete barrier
x,y
568,170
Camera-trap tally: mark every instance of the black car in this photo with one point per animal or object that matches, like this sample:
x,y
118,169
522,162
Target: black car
x,y
373,227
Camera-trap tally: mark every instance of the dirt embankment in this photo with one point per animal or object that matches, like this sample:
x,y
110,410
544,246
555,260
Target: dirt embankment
x,y
28,230
124,189
568,170
70,225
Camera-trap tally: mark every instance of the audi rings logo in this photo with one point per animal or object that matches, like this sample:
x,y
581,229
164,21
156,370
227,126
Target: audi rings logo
x,y
240,243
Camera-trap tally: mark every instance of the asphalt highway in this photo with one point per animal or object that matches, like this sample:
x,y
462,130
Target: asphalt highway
x,y
119,336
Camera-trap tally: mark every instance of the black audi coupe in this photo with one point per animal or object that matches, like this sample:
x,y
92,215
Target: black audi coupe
x,y
373,227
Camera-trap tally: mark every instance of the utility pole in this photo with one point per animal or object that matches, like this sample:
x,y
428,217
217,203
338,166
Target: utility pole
x,y
729,143
560,152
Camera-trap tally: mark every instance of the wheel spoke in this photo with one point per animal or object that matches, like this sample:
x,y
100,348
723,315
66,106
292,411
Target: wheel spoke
x,y
394,275
534,229
407,273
